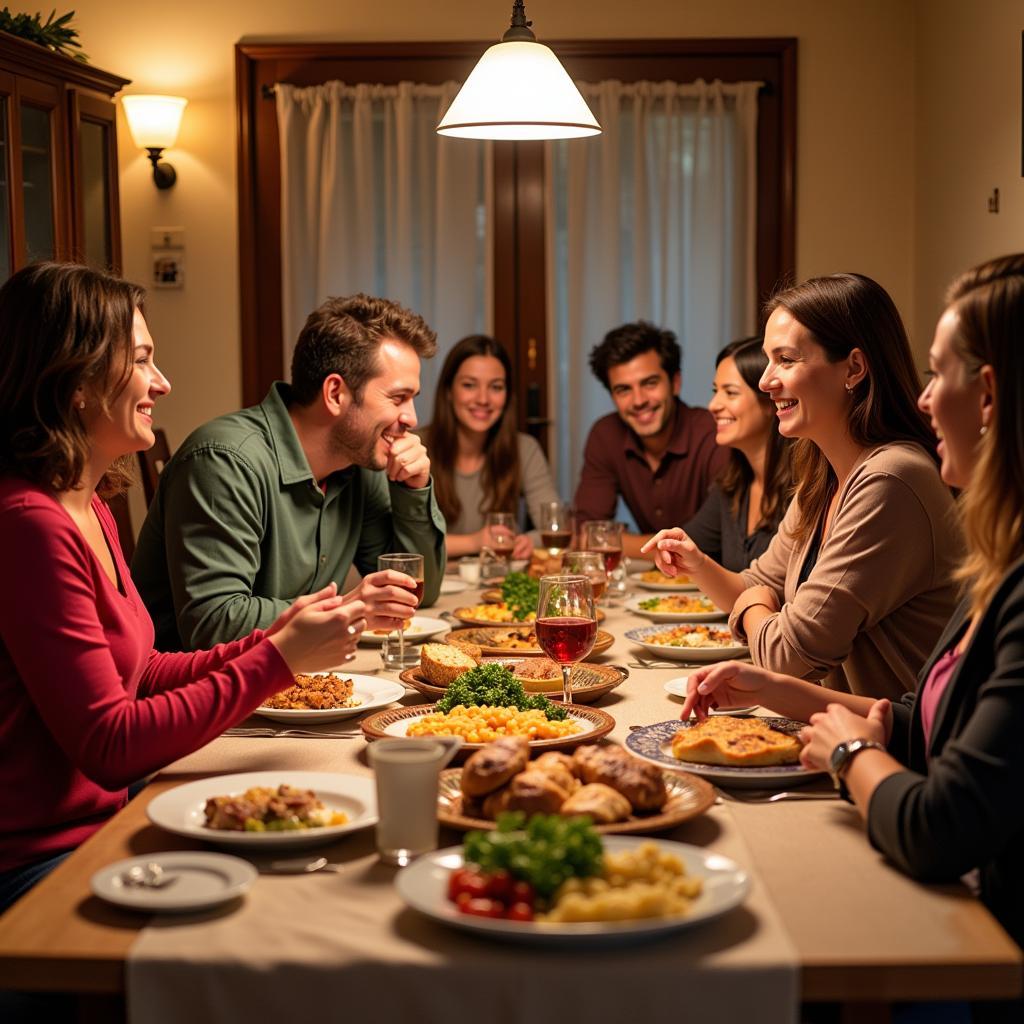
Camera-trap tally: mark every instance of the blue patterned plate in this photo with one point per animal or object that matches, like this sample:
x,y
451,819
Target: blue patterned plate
x,y
654,743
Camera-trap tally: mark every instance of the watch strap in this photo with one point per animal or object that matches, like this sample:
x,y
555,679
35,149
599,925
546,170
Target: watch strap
x,y
852,749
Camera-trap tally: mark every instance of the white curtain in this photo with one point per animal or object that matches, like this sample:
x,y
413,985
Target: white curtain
x,y
374,200
655,218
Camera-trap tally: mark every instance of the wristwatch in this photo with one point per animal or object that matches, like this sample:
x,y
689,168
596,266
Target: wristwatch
x,y
840,760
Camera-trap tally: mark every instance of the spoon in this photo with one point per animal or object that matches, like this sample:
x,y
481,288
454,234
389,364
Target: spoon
x,y
300,866
148,876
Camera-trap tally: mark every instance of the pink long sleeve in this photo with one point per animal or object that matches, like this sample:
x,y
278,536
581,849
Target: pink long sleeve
x,y
86,705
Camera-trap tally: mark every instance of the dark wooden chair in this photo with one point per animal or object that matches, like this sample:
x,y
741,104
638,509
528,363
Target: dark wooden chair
x,y
152,462
118,505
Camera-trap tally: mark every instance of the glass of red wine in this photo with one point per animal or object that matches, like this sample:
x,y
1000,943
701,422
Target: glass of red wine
x,y
555,526
566,624
412,565
605,537
587,563
501,528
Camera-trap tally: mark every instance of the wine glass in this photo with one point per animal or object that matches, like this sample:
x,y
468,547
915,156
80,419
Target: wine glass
x,y
605,537
587,563
555,526
412,565
566,624
501,527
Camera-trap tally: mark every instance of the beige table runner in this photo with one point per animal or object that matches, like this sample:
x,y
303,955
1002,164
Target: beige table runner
x,y
343,945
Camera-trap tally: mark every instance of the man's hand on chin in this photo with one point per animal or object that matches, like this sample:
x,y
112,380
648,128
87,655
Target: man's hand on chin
x,y
408,462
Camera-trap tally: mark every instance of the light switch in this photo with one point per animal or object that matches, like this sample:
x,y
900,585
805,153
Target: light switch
x,y
167,238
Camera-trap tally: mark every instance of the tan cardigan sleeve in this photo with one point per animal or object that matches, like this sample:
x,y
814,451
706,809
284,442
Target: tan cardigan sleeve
x,y
879,553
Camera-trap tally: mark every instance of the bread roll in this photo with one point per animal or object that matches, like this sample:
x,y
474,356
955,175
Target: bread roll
x,y
494,764
535,793
602,803
442,664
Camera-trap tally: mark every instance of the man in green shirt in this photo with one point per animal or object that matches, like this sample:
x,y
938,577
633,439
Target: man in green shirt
x,y
277,500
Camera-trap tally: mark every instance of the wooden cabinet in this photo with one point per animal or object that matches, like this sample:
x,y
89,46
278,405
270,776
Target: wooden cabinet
x,y
58,159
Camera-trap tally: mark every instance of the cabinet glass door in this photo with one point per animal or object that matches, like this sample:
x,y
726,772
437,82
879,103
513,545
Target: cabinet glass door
x,y
37,182
94,148
5,194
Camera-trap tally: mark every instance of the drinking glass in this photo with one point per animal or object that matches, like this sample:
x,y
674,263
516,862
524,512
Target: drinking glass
x,y
566,623
587,563
605,537
412,565
502,529
555,526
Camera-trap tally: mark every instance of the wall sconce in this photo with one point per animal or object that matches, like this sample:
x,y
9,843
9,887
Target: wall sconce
x,y
519,90
154,122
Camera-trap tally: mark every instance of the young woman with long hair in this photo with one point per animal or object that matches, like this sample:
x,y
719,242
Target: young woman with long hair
x,y
937,775
857,584
86,705
479,461
743,510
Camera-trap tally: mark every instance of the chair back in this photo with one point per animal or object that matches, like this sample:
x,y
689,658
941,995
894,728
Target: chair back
x,y
118,505
152,462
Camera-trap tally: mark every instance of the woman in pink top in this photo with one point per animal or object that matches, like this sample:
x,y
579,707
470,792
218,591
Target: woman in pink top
x,y
86,705
938,775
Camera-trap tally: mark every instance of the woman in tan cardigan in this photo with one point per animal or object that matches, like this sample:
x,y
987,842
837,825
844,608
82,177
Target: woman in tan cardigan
x,y
858,583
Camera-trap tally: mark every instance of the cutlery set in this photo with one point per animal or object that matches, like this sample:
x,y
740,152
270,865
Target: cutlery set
x,y
265,732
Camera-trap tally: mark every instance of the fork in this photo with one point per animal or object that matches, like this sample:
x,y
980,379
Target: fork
x,y
265,733
774,798
652,663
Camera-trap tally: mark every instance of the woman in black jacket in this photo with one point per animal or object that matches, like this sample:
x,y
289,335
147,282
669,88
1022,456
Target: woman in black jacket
x,y
938,777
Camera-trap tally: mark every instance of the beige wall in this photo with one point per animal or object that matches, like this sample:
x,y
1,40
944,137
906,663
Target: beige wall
x,y
855,162
968,80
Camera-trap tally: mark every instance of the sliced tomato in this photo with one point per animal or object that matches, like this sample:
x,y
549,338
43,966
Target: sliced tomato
x,y
520,912
499,886
466,880
483,907
522,892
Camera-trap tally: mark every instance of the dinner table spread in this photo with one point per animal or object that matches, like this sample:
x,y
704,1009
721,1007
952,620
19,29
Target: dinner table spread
x,y
825,918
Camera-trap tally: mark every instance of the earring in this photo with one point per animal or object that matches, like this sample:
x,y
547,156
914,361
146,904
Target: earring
x,y
849,389
81,403
983,431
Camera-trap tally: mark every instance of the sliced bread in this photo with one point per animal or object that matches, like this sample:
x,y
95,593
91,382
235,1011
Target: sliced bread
x,y
442,664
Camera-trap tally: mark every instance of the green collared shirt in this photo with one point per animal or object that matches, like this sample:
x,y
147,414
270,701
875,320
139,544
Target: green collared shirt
x,y
239,528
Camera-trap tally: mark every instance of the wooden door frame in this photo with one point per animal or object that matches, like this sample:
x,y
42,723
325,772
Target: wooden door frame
x,y
519,254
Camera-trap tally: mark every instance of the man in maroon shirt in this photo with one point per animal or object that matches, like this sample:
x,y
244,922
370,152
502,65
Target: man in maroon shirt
x,y
657,452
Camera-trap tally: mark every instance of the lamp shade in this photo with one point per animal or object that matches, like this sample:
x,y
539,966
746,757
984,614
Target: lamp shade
x,y
519,90
154,120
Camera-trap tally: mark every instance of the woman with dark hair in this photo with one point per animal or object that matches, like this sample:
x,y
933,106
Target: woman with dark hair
x,y
857,584
937,775
479,461
86,705
743,509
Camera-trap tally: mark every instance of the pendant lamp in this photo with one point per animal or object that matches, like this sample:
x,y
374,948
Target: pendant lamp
x,y
519,90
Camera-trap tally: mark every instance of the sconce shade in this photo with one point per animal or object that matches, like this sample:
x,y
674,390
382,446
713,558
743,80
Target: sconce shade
x,y
519,90
154,120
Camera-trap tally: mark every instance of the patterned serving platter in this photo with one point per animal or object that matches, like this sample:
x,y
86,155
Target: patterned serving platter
x,y
590,682
654,743
395,721
688,796
483,637
465,616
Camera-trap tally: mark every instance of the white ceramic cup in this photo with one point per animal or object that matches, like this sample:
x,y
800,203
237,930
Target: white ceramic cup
x,y
469,569
407,776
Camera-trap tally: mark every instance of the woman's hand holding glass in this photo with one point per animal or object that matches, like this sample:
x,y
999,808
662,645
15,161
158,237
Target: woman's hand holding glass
x,y
674,552
318,630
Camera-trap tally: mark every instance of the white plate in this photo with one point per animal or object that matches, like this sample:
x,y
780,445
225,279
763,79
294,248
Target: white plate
x,y
654,743
677,687
633,605
672,588
200,880
421,628
372,693
451,585
180,810
639,637
423,886
401,727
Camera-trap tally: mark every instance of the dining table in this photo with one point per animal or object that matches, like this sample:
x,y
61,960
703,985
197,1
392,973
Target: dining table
x,y
827,919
